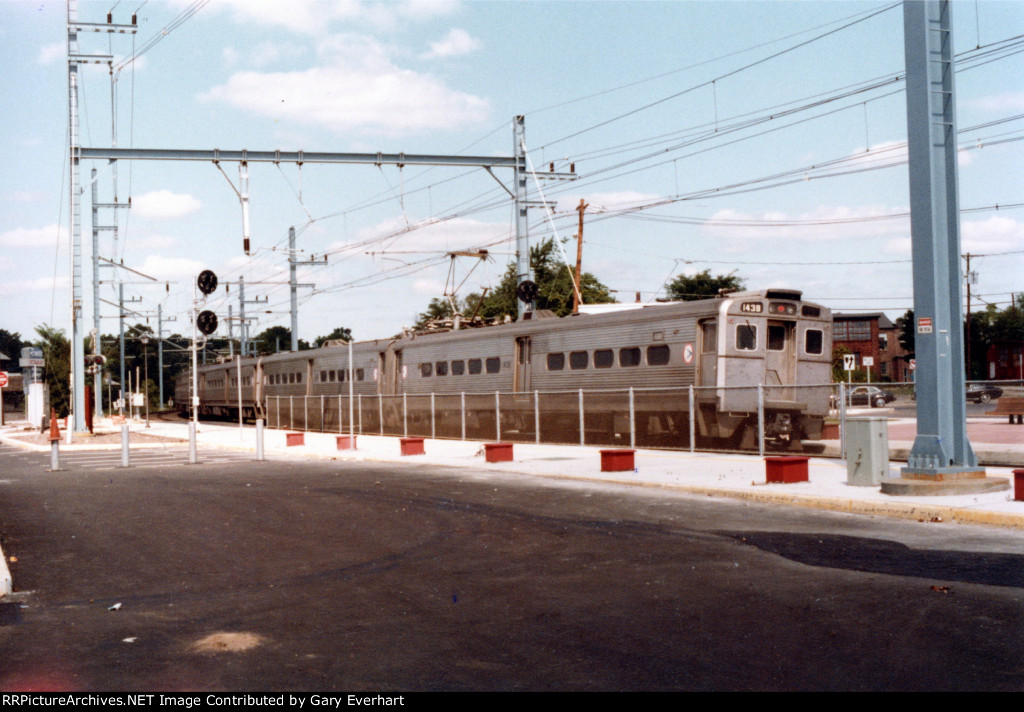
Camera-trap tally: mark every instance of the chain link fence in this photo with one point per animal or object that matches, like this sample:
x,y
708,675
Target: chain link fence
x,y
798,419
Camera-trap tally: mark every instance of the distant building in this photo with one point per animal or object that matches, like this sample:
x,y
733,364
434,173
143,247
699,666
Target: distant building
x,y
873,335
1005,361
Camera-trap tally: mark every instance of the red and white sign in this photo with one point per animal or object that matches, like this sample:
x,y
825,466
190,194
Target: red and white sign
x,y
924,325
3,378
913,364
687,353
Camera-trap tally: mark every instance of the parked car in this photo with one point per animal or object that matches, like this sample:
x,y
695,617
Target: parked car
x,y
982,392
870,395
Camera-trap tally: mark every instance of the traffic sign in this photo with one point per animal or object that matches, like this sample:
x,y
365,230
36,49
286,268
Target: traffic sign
x,y
3,378
849,362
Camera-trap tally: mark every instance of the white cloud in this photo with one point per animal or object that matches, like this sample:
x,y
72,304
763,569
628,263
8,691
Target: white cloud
x,y
154,242
163,204
1006,101
316,16
994,234
50,53
172,269
827,222
356,87
456,42
607,202
41,284
21,237
431,287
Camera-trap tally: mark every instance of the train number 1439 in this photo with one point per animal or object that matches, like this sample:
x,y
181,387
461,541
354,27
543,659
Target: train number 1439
x,y
751,307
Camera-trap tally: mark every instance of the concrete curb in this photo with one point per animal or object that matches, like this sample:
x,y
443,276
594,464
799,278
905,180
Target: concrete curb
x,y
762,492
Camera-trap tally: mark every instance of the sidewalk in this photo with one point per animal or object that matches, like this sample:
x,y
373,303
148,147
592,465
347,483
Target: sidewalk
x,y
710,474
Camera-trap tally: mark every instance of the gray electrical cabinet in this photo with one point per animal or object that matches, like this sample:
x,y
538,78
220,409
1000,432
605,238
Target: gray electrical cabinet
x,y
867,451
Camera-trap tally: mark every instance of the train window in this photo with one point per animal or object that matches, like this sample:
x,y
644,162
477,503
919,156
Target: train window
x,y
657,355
709,337
458,368
776,337
604,358
493,364
810,311
746,337
475,366
442,368
813,341
426,370
629,356
556,362
578,360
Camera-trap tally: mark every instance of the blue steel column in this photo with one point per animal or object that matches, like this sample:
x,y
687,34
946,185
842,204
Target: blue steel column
x,y
522,226
941,445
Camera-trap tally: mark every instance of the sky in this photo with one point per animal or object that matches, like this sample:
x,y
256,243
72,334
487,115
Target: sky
x,y
756,138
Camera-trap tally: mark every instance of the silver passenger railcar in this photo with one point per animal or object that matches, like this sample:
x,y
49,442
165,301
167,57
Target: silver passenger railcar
x,y
724,347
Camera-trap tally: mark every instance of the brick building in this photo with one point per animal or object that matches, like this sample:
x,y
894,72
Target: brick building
x,y
873,335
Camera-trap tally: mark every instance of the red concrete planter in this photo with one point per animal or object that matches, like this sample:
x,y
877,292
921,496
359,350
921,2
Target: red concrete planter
x,y
1018,485
295,439
498,452
412,446
617,460
346,442
786,468
830,431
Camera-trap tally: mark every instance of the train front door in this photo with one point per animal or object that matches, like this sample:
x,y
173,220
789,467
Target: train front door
x,y
780,360
522,380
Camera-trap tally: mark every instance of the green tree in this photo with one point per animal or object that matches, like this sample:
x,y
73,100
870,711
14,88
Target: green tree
x,y
702,285
57,353
342,332
554,283
905,326
10,346
270,339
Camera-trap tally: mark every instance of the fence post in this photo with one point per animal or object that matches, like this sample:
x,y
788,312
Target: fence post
x,y
693,422
581,417
405,414
536,417
462,400
359,403
124,445
760,419
291,412
497,416
322,424
380,412
632,420
842,419
433,431
259,439
341,419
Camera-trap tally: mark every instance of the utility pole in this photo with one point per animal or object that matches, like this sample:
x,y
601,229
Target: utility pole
x,y
293,263
577,295
74,60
